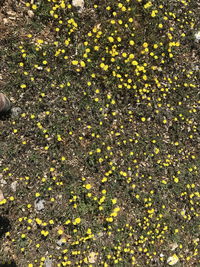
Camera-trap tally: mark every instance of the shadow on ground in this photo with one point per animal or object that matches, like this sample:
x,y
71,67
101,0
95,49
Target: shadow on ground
x,y
5,227
4,116
11,264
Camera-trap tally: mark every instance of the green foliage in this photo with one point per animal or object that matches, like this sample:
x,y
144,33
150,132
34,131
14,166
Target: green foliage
x,y
108,135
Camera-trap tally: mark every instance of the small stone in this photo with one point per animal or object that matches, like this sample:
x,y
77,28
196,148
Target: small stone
x,y
4,103
48,263
30,13
172,260
197,36
92,257
173,246
15,112
78,3
61,242
39,204
5,21
14,186
1,196
3,182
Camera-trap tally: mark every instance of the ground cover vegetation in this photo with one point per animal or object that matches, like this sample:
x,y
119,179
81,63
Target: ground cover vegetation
x,y
108,136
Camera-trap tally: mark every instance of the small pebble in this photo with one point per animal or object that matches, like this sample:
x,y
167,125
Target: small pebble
x,y
14,186
197,36
1,196
39,204
48,263
15,112
3,182
79,4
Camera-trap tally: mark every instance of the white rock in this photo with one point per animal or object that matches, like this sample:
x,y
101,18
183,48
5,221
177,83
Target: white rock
x,y
5,21
30,13
39,204
48,263
14,186
197,36
15,112
172,260
1,196
174,246
60,242
92,257
3,182
78,3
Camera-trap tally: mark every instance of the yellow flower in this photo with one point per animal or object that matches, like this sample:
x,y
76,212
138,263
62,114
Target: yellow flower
x,y
116,209
104,180
110,219
74,62
59,137
68,222
23,85
111,39
39,41
66,42
145,45
77,221
151,211
62,5
134,62
131,42
176,180
60,231
88,186
38,221
96,48
82,63
44,233
156,150
153,13
133,186
147,5
102,199
34,7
